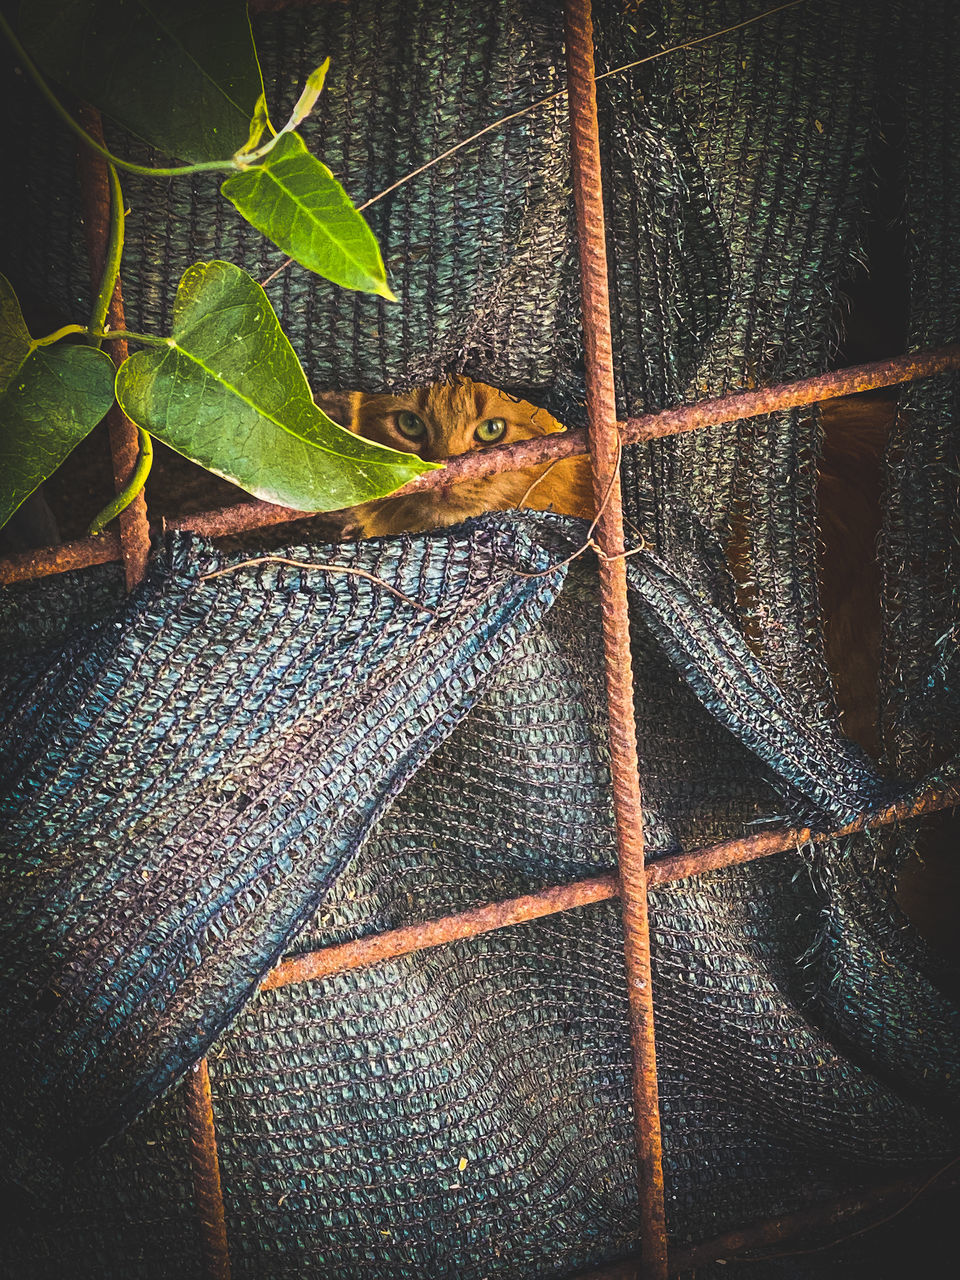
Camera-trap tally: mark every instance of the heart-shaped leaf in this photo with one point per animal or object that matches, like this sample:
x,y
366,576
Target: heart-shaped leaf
x,y
51,397
298,204
228,391
181,75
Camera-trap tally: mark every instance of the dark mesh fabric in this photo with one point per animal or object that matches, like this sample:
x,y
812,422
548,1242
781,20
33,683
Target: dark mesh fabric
x,y
226,771
923,510
204,775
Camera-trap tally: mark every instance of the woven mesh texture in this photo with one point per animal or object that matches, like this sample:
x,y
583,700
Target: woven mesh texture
x,y
923,509
210,761
271,760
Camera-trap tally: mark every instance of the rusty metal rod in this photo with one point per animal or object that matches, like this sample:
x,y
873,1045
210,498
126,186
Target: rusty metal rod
x,y
435,933
205,1167
693,417
728,853
665,422
134,528
532,906
605,451
24,566
244,516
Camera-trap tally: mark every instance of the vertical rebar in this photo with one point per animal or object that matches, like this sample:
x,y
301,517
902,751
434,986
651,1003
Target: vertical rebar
x,y
605,457
124,447
205,1165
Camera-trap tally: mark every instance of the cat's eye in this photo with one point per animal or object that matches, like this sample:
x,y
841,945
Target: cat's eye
x,y
409,425
491,430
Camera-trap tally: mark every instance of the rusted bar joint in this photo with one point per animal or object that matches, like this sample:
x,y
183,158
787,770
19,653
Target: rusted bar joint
x,y
205,1167
245,516
533,906
605,449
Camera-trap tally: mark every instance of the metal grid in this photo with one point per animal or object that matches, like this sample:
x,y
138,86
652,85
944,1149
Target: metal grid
x,y
603,441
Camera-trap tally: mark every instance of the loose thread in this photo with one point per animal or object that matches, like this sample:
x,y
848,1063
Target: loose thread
x,y
331,568
589,544
861,1231
533,483
542,102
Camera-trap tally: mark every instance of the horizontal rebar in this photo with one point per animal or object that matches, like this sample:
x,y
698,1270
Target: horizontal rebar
x,y
435,933
23,566
532,906
245,516
893,1194
569,444
896,1194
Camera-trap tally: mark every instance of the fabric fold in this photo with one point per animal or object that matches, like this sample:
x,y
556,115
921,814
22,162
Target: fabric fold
x,y
186,784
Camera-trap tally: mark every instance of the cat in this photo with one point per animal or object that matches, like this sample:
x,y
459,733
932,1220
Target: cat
x,y
447,419
460,415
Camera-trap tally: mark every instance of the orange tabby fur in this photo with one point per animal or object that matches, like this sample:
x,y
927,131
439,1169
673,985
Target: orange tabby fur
x,y
849,494
451,412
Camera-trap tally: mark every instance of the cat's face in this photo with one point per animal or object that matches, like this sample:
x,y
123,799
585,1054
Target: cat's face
x,y
450,418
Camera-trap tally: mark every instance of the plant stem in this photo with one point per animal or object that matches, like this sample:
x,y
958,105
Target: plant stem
x,y
65,332
108,335
32,70
111,263
133,486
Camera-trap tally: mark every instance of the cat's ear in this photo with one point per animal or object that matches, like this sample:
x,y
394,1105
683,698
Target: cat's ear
x,y
339,405
544,423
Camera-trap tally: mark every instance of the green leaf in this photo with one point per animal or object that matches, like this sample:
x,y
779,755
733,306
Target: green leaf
x,y
181,74
311,92
15,340
228,391
298,204
51,397
258,123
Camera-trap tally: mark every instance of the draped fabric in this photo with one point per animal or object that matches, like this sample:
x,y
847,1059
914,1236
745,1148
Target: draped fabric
x,y
223,770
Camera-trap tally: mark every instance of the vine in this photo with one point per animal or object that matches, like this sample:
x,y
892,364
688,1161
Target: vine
x,y
226,359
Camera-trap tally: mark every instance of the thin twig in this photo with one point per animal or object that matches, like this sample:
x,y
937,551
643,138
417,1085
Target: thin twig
x,y
861,1231
689,44
542,102
533,483
561,93
331,568
589,544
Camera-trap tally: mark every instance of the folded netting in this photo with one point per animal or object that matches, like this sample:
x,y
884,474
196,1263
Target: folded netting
x,y
279,757
225,770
